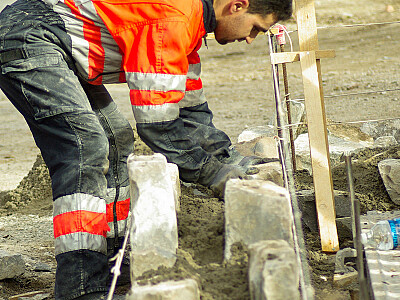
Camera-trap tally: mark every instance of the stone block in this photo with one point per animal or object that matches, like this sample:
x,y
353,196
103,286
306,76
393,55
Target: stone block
x,y
382,128
306,201
269,172
256,210
171,290
174,174
256,132
11,265
273,271
266,147
262,146
154,236
337,146
385,141
344,227
390,173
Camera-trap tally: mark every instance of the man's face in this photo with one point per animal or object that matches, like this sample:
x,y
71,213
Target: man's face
x,y
242,26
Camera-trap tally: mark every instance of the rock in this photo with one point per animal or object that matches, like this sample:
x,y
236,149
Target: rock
x,y
306,201
269,172
266,147
378,129
170,290
390,173
273,271
256,210
385,141
174,174
154,236
344,227
390,8
256,132
11,265
42,267
262,146
336,148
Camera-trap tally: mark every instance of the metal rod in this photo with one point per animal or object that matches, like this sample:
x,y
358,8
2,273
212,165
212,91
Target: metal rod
x,y
288,108
356,227
278,106
307,291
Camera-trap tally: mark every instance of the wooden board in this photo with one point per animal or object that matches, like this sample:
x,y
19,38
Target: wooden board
x,y
289,57
319,150
316,120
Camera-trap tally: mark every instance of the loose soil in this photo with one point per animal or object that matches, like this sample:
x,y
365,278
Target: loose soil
x,y
237,81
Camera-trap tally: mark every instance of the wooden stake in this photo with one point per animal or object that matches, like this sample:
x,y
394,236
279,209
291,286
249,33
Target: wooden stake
x,y
316,119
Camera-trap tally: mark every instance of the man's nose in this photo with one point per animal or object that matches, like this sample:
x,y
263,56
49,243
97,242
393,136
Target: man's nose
x,y
249,40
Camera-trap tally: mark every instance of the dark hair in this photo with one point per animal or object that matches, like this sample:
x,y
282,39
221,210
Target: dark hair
x,y
282,9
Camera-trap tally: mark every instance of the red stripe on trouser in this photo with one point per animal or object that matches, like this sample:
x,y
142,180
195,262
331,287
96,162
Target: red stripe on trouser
x,y
122,210
80,221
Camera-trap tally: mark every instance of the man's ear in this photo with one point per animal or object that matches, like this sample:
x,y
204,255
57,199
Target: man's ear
x,y
238,5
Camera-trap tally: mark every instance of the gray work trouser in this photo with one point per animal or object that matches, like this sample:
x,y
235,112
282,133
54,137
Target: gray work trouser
x,y
82,136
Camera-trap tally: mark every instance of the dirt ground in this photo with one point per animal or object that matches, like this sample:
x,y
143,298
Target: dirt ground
x,y
237,81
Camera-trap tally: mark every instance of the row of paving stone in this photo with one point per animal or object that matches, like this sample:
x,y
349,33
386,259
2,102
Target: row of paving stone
x,y
257,214
352,140
252,207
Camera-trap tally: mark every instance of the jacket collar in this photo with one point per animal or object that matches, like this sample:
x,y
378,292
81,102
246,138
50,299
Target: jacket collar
x,y
210,21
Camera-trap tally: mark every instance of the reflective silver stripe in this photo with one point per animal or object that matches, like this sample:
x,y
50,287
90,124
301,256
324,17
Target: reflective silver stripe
x,y
194,71
112,55
80,240
80,2
78,201
80,47
124,192
121,228
193,98
156,113
74,27
156,82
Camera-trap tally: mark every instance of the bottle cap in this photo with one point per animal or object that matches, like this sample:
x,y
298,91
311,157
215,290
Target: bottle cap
x,y
364,239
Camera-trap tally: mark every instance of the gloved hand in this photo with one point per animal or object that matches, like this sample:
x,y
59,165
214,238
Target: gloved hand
x,y
247,162
215,174
217,184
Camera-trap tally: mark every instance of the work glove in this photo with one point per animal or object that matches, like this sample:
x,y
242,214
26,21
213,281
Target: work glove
x,y
215,175
218,183
249,163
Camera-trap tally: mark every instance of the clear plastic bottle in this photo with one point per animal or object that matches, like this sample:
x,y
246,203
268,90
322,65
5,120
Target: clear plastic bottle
x,y
384,235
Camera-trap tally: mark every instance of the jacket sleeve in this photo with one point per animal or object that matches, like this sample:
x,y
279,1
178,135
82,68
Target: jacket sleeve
x,y
156,66
196,115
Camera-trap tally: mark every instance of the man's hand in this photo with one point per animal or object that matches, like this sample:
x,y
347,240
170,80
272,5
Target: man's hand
x,y
249,163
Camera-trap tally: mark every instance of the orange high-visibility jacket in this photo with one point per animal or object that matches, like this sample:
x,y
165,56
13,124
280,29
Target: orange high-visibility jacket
x,y
152,45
